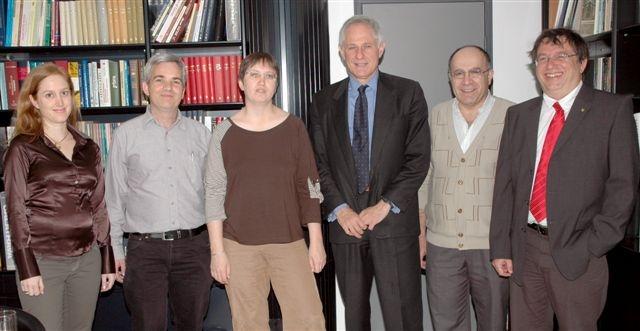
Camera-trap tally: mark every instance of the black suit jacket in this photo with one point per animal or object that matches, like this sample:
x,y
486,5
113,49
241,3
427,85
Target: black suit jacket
x,y
400,151
591,185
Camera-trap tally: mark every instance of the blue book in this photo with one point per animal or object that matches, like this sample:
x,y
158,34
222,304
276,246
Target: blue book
x,y
84,83
9,23
127,83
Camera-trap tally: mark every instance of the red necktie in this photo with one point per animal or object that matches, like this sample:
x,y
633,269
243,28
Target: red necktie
x,y
538,205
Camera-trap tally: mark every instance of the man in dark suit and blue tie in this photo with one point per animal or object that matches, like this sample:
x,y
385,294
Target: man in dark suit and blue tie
x,y
371,138
566,181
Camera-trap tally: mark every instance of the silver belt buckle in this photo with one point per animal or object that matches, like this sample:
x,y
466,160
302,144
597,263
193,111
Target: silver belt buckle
x,y
164,237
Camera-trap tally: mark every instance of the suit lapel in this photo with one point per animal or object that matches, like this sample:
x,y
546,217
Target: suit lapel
x,y
341,126
579,109
531,134
382,117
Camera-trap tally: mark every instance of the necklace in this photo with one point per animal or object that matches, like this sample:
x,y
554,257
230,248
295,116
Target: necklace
x,y
58,143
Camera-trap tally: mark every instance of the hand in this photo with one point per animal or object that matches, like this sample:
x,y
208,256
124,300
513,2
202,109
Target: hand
x,y
121,267
375,214
422,241
504,267
317,256
107,282
33,286
220,269
351,223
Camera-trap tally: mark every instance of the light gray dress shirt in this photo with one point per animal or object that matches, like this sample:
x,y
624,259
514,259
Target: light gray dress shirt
x,y
154,179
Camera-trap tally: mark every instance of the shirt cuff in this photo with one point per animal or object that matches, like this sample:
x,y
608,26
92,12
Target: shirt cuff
x,y
334,214
26,263
394,209
108,261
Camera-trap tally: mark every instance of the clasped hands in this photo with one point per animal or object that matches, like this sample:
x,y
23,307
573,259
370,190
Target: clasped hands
x,y
355,224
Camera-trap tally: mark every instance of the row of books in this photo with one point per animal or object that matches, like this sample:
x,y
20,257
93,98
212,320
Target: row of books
x,y
197,21
587,17
67,23
117,83
212,79
97,83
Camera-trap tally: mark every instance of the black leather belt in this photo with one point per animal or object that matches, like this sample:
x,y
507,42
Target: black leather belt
x,y
543,230
169,235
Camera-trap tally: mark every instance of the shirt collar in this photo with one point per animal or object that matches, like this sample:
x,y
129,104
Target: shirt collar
x,y
354,83
483,109
566,102
149,119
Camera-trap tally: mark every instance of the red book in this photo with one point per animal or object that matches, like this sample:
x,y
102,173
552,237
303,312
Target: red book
x,y
23,71
209,77
238,62
227,78
233,71
218,79
199,82
62,64
206,85
191,77
11,77
187,84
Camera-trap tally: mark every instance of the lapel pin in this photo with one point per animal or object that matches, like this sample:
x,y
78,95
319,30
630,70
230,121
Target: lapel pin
x,y
583,110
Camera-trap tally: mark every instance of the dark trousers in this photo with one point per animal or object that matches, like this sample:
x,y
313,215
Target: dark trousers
x,y
176,271
452,276
395,264
577,304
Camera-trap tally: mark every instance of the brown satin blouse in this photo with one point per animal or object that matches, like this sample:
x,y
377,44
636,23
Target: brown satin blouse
x,y
56,206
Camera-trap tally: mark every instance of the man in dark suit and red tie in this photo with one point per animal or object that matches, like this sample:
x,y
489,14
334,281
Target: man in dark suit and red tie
x,y
371,137
566,180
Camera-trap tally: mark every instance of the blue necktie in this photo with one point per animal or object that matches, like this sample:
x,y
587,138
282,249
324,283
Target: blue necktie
x,y
360,144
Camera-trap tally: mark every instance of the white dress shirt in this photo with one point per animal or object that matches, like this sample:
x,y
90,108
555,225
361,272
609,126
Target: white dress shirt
x,y
546,115
466,132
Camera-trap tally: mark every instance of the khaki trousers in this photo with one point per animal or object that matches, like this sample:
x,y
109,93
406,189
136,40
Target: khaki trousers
x,y
71,286
286,268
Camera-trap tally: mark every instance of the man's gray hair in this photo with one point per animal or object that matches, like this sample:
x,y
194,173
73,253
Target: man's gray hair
x,y
361,19
163,56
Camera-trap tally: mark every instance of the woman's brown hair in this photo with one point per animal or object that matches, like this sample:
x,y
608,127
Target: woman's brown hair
x,y
29,121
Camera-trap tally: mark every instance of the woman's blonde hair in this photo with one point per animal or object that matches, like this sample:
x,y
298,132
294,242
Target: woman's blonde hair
x,y
29,120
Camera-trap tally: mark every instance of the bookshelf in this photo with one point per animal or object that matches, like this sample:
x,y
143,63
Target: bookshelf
x,y
122,31
614,49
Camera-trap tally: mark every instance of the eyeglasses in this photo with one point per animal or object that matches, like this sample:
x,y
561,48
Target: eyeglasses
x,y
255,75
475,73
562,57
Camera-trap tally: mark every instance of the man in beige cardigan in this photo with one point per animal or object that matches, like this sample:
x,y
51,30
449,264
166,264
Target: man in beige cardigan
x,y
457,197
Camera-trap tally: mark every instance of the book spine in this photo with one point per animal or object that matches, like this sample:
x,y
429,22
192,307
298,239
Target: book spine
x,y
135,82
233,78
232,17
75,79
199,80
84,83
227,78
9,24
114,83
8,250
218,79
4,96
218,30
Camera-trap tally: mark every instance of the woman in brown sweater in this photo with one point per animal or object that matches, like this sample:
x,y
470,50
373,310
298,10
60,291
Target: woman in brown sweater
x,y
262,187
55,200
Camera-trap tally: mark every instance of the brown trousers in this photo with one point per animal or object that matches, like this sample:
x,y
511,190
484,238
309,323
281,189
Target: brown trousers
x,y
577,304
285,267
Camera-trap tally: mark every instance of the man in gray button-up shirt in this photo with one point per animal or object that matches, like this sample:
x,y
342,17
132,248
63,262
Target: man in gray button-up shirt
x,y
155,194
